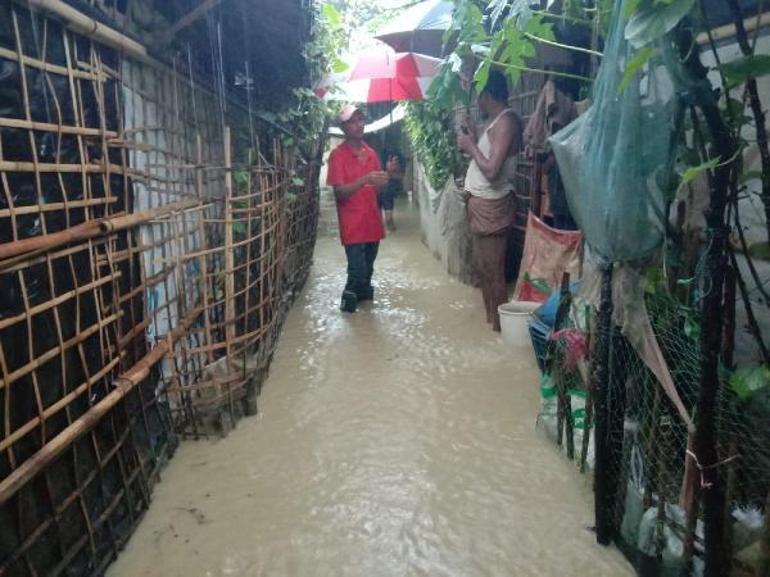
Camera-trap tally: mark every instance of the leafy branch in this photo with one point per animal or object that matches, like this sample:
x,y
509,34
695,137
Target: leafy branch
x,y
432,138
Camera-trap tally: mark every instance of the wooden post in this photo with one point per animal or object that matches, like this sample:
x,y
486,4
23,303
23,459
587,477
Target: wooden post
x,y
705,438
589,418
202,259
564,414
603,492
229,254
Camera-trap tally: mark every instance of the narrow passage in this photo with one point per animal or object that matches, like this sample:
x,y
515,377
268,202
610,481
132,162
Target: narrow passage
x,y
398,441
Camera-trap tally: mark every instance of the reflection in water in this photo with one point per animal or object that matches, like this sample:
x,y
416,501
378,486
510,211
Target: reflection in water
x,y
398,441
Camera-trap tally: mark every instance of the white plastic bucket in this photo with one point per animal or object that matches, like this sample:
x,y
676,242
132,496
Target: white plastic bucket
x,y
514,317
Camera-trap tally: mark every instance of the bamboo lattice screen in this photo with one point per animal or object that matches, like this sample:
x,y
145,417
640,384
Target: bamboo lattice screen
x,y
144,278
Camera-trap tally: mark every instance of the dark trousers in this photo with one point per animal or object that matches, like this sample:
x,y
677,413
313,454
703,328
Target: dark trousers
x,y
361,259
489,260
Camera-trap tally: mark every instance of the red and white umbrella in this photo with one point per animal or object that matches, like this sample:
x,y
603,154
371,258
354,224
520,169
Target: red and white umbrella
x,y
382,76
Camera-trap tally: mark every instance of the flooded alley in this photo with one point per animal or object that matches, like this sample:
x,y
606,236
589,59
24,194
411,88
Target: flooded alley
x,y
398,441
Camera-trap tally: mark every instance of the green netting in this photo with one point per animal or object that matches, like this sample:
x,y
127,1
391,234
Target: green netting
x,y
617,159
654,496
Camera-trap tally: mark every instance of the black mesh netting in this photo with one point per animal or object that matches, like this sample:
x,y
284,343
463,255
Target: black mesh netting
x,y
655,507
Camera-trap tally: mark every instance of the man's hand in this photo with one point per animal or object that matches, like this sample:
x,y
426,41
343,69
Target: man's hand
x,y
393,166
378,178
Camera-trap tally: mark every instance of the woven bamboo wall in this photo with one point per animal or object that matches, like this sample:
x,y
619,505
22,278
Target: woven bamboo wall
x,y
144,278
76,466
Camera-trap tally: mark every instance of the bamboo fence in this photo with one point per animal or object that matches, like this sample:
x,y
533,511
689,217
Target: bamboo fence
x,y
144,279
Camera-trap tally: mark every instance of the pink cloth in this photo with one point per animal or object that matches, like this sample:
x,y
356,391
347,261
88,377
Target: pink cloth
x,y
575,341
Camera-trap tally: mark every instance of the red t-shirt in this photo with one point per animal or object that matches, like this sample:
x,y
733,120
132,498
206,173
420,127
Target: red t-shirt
x,y
359,214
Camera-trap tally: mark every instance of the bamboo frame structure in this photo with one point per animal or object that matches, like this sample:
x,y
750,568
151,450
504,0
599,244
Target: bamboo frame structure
x,y
146,267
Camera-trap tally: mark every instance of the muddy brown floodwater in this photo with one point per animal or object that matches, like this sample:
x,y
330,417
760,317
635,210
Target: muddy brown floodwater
x,y
399,441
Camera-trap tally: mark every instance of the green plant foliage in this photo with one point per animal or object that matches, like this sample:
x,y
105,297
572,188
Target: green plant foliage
x,y
303,118
746,381
635,64
323,52
740,70
651,19
446,88
432,138
500,33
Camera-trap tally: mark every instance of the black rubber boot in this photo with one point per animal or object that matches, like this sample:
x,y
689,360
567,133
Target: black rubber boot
x,y
349,302
366,294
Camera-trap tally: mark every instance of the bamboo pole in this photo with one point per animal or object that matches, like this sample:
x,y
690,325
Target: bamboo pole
x,y
712,311
730,30
229,250
87,230
130,220
566,424
22,166
58,128
202,261
602,483
82,24
46,66
48,241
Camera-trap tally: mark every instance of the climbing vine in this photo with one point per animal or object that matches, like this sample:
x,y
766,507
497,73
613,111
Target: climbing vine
x,y
505,34
303,119
432,137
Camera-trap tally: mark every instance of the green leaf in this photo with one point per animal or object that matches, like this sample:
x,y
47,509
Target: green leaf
x,y
297,181
738,71
520,13
651,22
746,381
331,15
634,65
631,7
692,329
481,76
693,172
496,8
339,65
537,26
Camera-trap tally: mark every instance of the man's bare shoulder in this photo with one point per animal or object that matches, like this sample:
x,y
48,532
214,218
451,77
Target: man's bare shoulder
x,y
507,120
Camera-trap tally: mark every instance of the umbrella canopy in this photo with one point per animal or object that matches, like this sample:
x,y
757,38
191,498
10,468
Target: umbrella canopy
x,y
382,76
419,28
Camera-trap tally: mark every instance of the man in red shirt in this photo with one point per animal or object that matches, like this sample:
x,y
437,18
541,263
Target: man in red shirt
x,y
357,177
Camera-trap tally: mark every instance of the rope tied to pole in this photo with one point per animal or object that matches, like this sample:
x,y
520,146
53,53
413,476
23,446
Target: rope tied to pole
x,y
702,468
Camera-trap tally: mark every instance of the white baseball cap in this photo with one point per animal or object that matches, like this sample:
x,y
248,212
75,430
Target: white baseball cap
x,y
346,113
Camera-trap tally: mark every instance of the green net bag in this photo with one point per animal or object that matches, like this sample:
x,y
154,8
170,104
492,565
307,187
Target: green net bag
x,y
617,159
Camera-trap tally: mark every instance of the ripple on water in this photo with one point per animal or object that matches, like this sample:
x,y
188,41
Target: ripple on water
x,y
398,441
